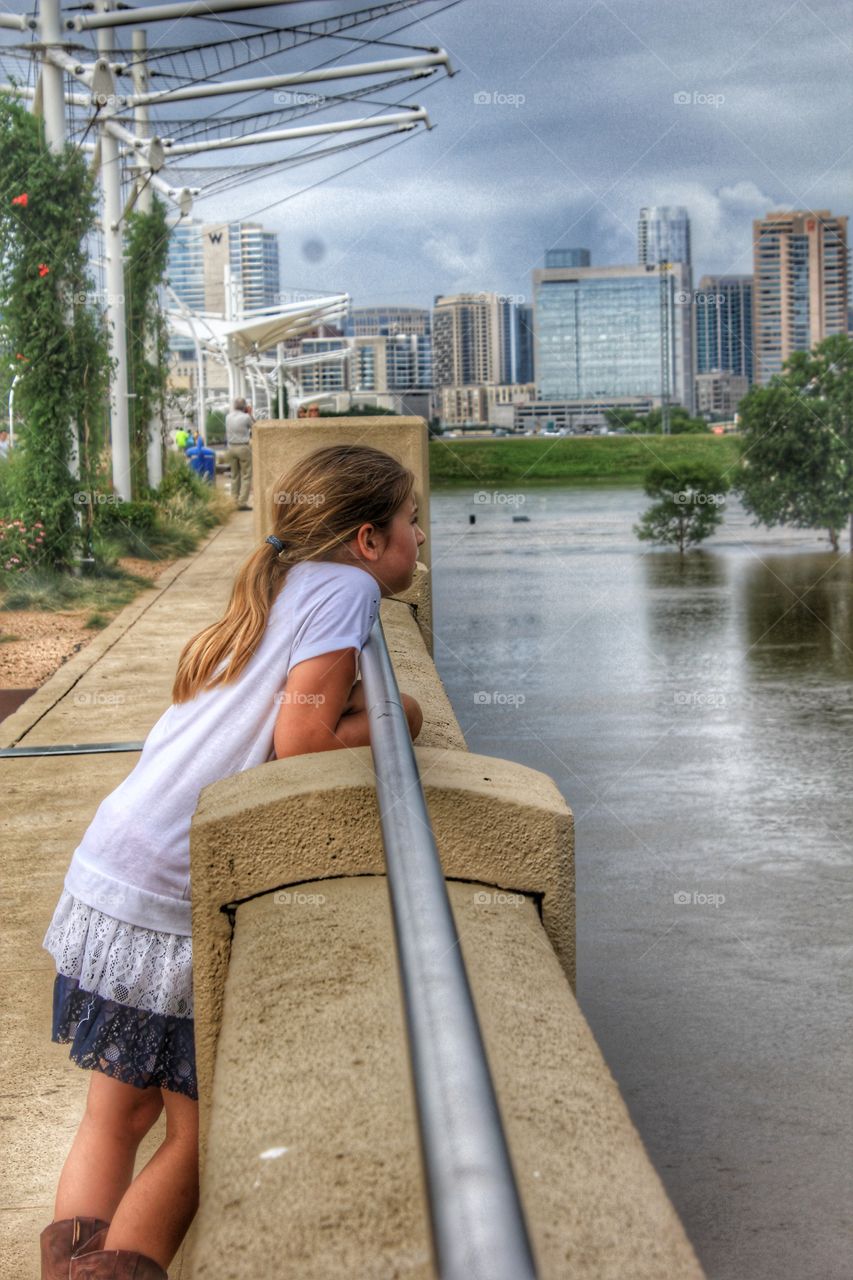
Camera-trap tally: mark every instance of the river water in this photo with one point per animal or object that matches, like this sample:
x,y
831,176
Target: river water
x,y
697,717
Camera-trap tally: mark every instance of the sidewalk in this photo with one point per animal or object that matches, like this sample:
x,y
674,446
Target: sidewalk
x,y
111,691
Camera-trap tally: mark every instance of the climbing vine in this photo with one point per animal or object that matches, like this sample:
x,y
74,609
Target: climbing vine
x,y
53,333
146,239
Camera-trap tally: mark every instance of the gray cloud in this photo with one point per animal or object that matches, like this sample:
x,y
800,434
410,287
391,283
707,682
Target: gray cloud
x,y
599,132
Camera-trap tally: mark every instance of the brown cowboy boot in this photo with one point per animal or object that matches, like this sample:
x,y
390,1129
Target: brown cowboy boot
x,y
94,1262
59,1241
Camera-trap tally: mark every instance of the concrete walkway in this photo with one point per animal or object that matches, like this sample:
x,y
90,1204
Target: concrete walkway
x,y
111,691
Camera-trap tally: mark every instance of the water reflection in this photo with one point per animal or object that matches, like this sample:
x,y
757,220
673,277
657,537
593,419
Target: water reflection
x,y
797,614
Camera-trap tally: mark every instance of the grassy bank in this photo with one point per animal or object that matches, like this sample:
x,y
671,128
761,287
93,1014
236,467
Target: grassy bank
x,y
614,458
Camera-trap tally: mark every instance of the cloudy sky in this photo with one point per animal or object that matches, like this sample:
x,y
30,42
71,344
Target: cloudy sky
x,y
562,120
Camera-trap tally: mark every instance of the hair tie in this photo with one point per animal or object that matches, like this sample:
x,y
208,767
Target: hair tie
x,y
276,542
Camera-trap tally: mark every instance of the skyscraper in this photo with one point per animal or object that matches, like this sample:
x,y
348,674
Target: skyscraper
x,y
663,235
468,340
199,253
597,333
801,291
524,360
185,266
723,325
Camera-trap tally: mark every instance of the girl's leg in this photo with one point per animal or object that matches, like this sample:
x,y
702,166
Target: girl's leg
x,y
99,1167
156,1211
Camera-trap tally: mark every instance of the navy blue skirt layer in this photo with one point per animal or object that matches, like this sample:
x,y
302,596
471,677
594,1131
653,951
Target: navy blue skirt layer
x,y
136,1046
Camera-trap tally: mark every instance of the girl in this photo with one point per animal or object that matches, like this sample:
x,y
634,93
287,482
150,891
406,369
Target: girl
x,y
276,676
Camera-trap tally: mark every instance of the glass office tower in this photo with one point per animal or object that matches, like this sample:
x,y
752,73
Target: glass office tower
x,y
723,325
598,333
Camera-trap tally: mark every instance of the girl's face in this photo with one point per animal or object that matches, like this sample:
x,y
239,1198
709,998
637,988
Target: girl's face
x,y
391,555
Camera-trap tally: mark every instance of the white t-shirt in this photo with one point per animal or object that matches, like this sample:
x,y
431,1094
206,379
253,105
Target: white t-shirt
x,y
133,861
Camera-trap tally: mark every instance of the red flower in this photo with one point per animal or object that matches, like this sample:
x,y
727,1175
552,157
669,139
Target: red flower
x,y
20,357
22,199
43,269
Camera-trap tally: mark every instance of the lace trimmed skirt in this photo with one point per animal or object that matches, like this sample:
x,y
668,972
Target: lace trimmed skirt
x,y
123,997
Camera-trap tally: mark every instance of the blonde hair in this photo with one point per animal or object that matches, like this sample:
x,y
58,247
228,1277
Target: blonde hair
x,y
317,507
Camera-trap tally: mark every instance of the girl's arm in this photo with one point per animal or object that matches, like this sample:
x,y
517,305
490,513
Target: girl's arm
x,y
323,708
313,703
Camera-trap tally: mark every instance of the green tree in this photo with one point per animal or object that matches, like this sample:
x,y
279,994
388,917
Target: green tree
x,y
54,335
688,506
797,442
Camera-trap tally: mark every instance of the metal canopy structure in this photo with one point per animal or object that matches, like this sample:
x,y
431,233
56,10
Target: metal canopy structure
x,y
240,343
100,96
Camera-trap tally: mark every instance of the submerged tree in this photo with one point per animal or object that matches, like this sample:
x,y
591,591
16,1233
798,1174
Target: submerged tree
x,y
688,506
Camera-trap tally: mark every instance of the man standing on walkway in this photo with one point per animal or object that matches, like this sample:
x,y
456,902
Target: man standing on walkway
x,y
238,440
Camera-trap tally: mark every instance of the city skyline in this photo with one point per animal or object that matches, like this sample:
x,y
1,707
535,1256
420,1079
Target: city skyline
x,y
474,204
591,115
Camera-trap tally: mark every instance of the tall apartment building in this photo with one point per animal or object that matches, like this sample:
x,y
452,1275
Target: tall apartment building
x,y
598,333
468,340
801,290
477,339
199,253
663,235
406,333
722,313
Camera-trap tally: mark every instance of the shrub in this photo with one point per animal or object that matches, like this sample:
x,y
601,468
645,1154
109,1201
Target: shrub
x,y
20,544
139,516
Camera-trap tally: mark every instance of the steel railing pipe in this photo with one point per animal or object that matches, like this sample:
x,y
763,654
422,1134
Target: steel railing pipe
x,y
476,1217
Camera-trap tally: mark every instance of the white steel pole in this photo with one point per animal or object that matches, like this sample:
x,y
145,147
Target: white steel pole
x,y
53,108
29,92
144,203
53,89
425,63
234,387
116,315
166,13
201,389
401,120
253,388
17,21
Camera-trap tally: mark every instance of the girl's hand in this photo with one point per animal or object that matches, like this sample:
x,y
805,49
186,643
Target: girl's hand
x,y
414,715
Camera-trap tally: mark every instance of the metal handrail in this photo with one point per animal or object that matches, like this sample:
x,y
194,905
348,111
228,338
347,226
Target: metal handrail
x,y
476,1218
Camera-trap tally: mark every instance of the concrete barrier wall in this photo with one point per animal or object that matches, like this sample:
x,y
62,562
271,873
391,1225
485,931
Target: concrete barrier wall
x,y
310,1159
